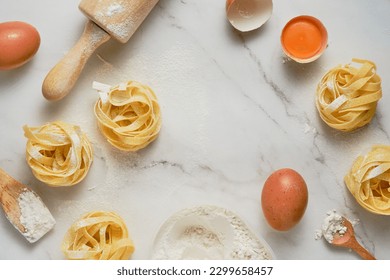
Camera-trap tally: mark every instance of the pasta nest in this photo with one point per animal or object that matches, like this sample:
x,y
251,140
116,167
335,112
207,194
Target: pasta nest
x,y
130,117
98,236
347,96
369,180
59,154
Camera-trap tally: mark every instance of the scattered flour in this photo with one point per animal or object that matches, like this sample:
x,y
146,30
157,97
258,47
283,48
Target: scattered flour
x,y
34,216
285,59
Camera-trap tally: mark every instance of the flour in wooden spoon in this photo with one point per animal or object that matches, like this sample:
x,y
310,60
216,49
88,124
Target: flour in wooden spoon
x,y
332,224
34,216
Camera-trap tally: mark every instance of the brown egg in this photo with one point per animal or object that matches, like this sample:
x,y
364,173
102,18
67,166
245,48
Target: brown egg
x,y
284,199
19,42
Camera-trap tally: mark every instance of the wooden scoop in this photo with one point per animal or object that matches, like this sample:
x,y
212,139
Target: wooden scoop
x,y
107,18
24,209
348,240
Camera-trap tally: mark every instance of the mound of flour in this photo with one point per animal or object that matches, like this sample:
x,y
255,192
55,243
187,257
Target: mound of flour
x,y
208,232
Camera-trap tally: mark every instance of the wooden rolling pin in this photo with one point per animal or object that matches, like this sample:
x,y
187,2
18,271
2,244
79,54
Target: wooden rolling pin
x,y
24,208
118,19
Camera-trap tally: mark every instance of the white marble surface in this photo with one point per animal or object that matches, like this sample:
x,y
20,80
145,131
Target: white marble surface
x,y
234,110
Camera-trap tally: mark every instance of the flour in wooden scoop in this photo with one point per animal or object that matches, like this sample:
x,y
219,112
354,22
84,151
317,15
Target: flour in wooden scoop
x,y
34,216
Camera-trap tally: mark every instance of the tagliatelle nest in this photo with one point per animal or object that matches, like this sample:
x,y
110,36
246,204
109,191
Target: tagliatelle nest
x,y
347,97
128,115
58,153
98,236
369,180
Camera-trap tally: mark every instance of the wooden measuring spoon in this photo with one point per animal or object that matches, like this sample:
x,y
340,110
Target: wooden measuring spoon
x,y
348,240
24,208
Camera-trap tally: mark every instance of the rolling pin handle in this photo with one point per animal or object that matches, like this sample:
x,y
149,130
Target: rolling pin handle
x,y
62,78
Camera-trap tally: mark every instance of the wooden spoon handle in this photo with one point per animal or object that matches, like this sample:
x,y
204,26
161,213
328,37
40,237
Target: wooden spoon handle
x,y
361,251
61,79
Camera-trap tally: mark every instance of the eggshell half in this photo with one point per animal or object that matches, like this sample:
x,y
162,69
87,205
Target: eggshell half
x,y
248,15
284,199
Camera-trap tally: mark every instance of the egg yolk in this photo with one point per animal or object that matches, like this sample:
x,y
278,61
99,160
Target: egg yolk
x,y
302,38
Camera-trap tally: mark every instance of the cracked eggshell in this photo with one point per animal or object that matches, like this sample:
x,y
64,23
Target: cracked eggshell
x,y
207,232
248,15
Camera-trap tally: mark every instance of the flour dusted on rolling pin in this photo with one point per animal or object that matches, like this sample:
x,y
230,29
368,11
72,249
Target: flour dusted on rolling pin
x,y
114,9
119,18
34,216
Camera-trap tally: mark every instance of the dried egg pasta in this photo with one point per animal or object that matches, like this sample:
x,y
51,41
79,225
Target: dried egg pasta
x,y
347,97
58,153
98,236
369,180
128,115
